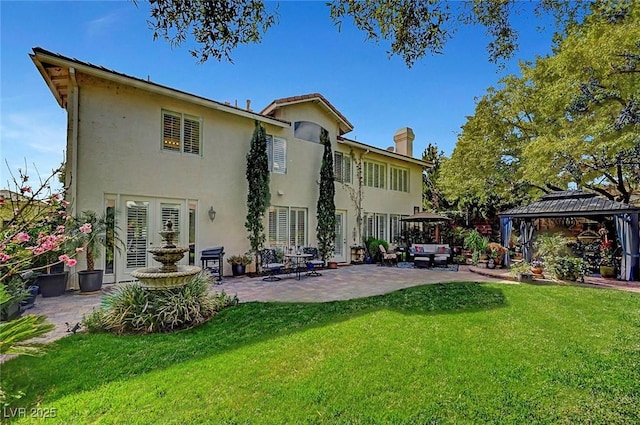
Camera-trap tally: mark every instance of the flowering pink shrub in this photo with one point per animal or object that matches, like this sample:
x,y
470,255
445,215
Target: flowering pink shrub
x,y
36,237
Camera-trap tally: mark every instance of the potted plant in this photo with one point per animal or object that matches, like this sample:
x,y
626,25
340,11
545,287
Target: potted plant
x,y
94,233
239,263
521,271
537,267
607,266
477,243
15,294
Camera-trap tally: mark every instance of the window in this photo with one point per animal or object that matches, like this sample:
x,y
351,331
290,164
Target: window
x,y
307,130
342,167
192,234
181,133
277,153
287,227
110,245
395,228
375,225
375,174
399,179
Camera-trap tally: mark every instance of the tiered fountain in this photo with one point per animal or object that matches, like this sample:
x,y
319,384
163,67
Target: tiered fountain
x,y
169,275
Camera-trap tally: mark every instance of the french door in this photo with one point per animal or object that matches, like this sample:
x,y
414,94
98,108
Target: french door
x,y
340,250
144,218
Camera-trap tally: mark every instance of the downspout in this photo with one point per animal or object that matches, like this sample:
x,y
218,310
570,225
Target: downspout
x,y
74,139
73,277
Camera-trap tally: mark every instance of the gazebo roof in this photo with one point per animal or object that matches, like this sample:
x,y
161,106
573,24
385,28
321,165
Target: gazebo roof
x,y
569,203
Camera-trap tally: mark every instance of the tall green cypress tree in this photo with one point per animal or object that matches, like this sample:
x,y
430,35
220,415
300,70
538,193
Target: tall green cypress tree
x,y
326,208
258,195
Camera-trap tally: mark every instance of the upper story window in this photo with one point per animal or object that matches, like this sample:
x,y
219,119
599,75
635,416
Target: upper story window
x,y
375,174
342,167
277,153
181,132
399,179
307,130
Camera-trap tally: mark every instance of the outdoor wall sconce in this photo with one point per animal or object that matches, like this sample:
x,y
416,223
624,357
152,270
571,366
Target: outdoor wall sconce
x,y
212,213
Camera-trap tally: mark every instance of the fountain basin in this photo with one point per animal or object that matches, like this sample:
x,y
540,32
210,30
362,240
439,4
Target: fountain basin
x,y
155,279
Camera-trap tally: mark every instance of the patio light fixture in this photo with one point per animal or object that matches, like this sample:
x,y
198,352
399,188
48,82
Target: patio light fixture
x,y
212,213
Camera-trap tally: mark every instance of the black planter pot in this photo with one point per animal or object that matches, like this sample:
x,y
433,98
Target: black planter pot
x,y
238,269
53,284
33,292
90,281
9,310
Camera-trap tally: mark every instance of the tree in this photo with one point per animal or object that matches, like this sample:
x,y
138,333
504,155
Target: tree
x,y
432,197
413,28
326,208
570,119
258,194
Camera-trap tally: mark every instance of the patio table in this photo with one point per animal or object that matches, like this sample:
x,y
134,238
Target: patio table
x,y
297,260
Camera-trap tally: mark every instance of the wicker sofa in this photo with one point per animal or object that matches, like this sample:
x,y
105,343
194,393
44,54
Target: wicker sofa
x,y
428,255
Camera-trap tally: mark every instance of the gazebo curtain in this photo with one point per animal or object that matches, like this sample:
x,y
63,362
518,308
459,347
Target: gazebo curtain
x,y
506,227
627,228
526,232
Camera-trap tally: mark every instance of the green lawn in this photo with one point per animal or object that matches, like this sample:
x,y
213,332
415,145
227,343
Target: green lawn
x,y
452,353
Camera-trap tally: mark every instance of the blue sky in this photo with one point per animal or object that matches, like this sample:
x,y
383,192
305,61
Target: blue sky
x,y
304,53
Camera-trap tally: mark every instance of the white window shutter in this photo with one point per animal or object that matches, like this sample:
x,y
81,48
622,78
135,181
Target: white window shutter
x,y
346,172
192,135
279,155
137,237
282,226
170,131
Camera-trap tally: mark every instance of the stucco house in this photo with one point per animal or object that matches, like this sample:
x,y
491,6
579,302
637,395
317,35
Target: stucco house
x,y
147,152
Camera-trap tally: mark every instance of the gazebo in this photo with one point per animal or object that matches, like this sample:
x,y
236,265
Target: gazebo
x,y
575,203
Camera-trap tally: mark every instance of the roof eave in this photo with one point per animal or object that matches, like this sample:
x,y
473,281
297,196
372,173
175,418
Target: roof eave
x,y
40,57
384,152
47,79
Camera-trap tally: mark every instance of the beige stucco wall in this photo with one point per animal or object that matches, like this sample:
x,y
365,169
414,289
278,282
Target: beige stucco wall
x,y
119,155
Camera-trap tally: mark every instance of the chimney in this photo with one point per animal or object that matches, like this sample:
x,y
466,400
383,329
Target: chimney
x,y
249,105
404,141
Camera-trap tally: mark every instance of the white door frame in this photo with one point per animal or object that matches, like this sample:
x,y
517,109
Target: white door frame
x,y
341,240
154,225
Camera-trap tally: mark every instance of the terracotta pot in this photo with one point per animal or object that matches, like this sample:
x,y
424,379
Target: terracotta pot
x,y
536,270
332,265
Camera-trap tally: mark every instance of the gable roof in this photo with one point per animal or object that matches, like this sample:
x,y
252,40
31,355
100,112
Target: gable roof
x,y
569,203
343,123
58,72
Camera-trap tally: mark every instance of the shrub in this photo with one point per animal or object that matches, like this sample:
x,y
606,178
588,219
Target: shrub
x,y
134,309
570,268
374,250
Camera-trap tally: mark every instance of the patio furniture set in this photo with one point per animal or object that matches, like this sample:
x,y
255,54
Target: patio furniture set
x,y
303,260
422,255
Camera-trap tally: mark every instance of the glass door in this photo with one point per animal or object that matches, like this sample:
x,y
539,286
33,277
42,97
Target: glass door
x,y
340,249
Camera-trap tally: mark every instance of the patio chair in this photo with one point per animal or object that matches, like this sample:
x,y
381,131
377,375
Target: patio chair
x,y
314,262
269,263
387,258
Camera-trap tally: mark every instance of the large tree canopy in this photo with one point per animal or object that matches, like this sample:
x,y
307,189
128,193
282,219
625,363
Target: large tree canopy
x,y
571,119
413,28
